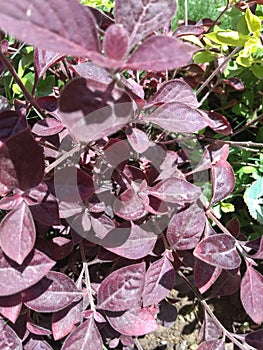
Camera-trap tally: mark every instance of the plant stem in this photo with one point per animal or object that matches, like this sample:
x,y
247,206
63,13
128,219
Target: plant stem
x,y
252,122
207,81
87,278
228,5
62,158
26,93
211,314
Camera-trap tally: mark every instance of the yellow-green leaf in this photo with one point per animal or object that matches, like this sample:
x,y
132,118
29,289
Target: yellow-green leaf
x,y
227,207
253,23
204,56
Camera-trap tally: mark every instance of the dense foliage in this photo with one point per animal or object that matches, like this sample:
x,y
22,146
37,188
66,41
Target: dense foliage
x,y
115,179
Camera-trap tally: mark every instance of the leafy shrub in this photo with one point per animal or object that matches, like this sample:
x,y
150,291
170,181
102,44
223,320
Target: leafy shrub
x,y
110,193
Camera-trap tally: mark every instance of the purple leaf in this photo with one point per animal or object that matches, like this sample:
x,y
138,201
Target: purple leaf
x,y
9,340
251,294
138,139
141,18
36,329
134,322
210,330
73,184
11,202
86,336
64,321
116,41
175,91
122,289
177,117
160,278
227,283
37,344
20,277
138,244
50,29
149,56
167,314
53,293
205,275
92,110
255,339
90,70
175,190
218,250
212,345
189,30
47,127
223,181
47,211
11,123
22,161
44,59
17,238
218,122
185,228
10,306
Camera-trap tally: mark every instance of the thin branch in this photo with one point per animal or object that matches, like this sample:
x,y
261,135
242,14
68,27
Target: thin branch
x,y
62,158
26,93
207,81
228,5
252,122
212,315
186,12
87,278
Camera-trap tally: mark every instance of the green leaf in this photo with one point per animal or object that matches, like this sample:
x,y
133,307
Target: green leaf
x,y
253,23
227,207
253,198
204,56
229,37
257,70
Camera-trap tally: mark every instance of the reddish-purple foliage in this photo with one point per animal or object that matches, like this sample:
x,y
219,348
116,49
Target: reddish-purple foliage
x,y
101,192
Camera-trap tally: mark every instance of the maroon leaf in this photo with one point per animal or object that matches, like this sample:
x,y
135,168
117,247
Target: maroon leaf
x,y
212,345
11,123
251,294
175,91
11,202
20,277
223,181
9,340
189,30
210,330
36,329
64,321
37,344
218,250
226,284
53,293
149,57
44,59
139,242
160,278
47,127
22,161
86,336
175,190
92,110
50,29
10,306
185,228
47,211
116,41
138,139
90,70
141,18
73,184
18,234
177,117
134,322
205,275
122,289
255,339
218,122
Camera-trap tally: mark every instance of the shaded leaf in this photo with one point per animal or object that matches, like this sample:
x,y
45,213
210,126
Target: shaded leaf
x,y
122,289
134,322
227,283
218,250
51,29
223,181
186,227
47,127
53,293
255,339
212,345
44,59
18,235
86,336
251,294
149,57
92,71
9,340
141,18
10,306
20,277
205,275
160,278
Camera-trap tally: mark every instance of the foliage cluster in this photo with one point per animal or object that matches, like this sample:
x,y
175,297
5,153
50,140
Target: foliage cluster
x,y
115,178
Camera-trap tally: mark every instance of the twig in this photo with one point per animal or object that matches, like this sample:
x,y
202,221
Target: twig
x,y
87,278
186,12
207,81
137,343
211,314
252,122
228,5
62,158
26,93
